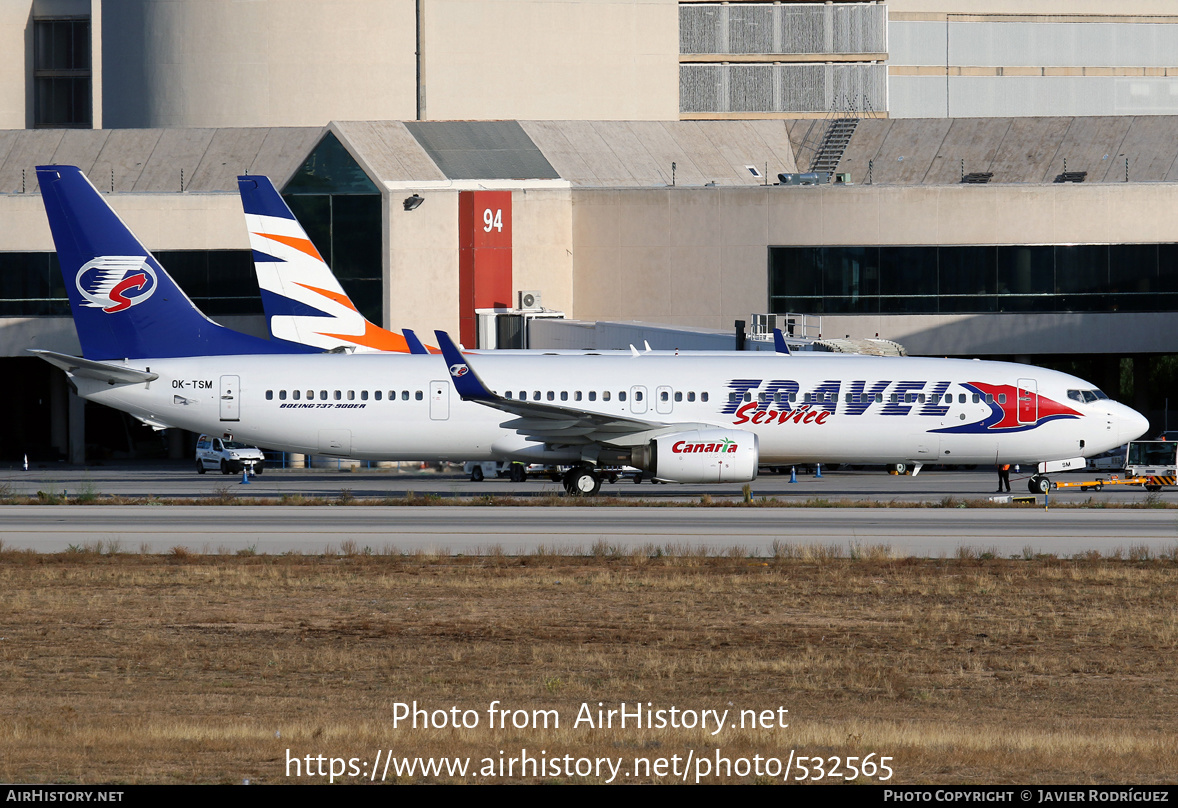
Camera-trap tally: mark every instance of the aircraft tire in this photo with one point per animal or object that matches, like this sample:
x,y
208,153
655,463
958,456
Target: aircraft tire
x,y
200,467
476,475
899,468
1038,485
583,482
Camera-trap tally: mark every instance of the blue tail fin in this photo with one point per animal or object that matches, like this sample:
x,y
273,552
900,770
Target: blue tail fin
x,y
125,305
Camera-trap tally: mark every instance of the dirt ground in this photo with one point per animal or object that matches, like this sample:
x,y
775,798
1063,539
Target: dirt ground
x,y
185,668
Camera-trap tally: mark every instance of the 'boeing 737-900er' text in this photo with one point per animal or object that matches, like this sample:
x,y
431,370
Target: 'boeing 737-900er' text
x,y
689,418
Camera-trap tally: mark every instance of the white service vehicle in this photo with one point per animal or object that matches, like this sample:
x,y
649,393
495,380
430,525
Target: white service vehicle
x,y
228,455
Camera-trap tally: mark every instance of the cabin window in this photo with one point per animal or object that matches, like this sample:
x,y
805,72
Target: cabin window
x,y
1002,398
893,398
536,395
551,396
976,398
920,398
703,396
879,398
622,396
338,395
577,396
638,395
690,396
269,395
989,398
507,395
678,396
605,395
564,395
762,397
376,395
419,395
282,395
351,395
404,395
363,395
592,395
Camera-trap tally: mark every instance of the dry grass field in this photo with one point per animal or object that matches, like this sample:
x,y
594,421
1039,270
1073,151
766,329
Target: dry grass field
x,y
186,668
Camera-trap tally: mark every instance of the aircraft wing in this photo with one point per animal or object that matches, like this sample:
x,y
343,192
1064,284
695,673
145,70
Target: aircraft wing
x,y
551,423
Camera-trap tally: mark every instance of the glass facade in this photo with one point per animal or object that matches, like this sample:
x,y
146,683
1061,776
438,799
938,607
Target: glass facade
x,y
219,282
340,208
974,279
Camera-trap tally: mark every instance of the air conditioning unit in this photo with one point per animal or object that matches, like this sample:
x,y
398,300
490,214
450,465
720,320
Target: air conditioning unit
x,y
530,300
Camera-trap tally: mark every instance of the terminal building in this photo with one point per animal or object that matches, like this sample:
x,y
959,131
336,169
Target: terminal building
x,y
1004,182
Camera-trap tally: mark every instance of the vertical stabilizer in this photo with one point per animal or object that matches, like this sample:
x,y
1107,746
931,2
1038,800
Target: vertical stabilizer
x,y
125,305
302,298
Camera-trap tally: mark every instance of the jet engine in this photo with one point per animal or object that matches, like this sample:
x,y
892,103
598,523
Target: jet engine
x,y
700,456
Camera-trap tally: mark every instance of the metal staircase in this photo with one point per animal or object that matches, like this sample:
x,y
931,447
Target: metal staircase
x,y
834,144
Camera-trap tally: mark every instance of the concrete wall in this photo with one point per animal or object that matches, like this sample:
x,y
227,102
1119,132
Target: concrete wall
x,y
188,63
699,256
161,221
542,245
422,263
688,256
268,62
552,59
16,64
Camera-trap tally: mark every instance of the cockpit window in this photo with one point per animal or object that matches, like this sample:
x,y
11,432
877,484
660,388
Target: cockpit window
x,y
1086,396
1076,395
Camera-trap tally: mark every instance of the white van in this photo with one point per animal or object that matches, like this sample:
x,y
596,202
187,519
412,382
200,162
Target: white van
x,y
228,455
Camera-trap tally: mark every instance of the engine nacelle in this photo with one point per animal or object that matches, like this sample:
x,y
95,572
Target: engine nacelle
x,y
701,456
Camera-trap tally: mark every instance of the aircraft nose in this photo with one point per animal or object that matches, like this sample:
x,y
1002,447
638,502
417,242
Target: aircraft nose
x,y
1133,425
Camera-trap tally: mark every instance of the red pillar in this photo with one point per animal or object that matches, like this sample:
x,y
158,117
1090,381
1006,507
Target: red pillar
x,y
484,257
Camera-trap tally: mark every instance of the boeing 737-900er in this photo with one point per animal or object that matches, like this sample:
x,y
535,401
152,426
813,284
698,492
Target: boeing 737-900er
x,y
692,418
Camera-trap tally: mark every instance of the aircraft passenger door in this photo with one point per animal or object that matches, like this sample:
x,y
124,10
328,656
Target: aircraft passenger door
x,y
662,400
439,400
638,403
230,392
1028,401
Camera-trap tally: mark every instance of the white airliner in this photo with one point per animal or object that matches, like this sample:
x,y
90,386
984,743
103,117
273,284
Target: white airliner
x,y
689,418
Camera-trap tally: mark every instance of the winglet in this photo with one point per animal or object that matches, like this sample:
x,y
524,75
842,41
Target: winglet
x,y
415,346
468,384
779,342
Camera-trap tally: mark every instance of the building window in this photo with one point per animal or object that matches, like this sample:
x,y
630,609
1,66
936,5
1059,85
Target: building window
x,y
340,208
61,73
974,279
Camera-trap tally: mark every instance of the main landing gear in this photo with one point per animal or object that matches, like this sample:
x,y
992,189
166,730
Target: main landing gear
x,y
582,481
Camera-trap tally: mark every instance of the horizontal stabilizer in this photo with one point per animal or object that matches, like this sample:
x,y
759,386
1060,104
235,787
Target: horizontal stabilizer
x,y
90,369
